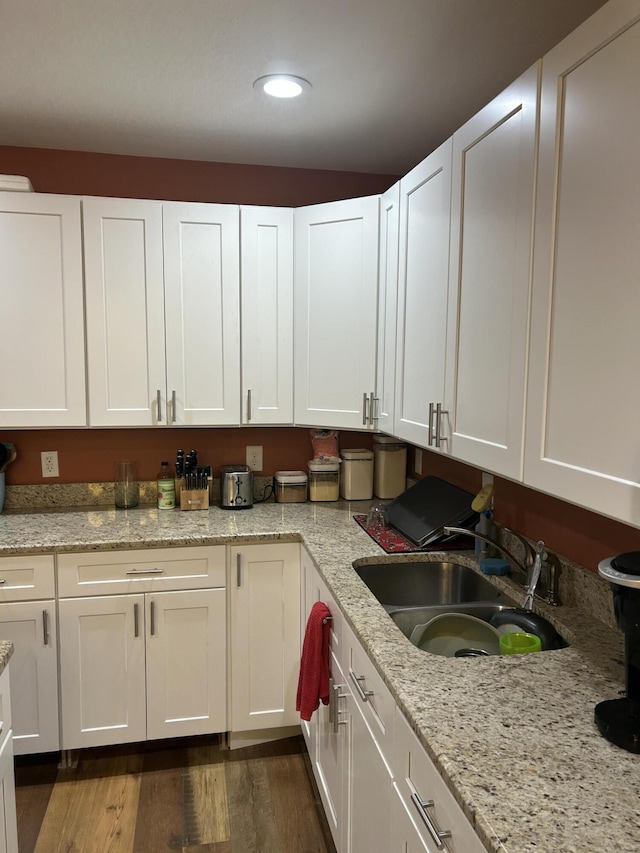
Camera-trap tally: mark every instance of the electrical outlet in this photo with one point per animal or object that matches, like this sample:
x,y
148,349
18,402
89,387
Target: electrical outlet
x,y
50,463
418,465
254,457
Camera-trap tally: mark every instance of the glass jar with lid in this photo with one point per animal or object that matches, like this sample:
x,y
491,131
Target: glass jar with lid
x,y
324,480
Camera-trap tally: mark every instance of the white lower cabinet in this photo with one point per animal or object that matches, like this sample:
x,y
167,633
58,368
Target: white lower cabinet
x,y
28,620
8,821
435,817
371,711
143,664
379,789
264,597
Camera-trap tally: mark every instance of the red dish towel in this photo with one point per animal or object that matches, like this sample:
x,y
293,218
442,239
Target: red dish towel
x,y
313,682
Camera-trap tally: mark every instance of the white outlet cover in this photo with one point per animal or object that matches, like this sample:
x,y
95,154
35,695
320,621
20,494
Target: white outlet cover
x,y
49,459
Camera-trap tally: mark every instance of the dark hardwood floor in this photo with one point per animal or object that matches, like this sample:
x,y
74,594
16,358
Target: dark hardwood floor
x,y
185,795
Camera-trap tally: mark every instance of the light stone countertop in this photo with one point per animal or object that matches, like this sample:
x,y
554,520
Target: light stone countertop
x,y
513,737
6,650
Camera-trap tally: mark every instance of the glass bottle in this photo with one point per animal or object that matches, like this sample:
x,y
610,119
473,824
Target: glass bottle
x,y
166,487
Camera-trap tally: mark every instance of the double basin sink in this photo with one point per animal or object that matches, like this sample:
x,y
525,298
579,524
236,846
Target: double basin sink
x,y
414,592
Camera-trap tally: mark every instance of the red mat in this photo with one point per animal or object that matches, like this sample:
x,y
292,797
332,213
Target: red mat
x,y
393,542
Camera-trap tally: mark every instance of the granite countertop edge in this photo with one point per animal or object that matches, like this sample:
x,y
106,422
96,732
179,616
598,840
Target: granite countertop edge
x,y
513,738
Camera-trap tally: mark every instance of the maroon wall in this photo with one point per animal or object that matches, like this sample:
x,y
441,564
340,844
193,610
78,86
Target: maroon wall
x,y
84,173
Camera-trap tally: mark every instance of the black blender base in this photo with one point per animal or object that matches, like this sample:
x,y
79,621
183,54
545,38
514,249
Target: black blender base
x,y
617,724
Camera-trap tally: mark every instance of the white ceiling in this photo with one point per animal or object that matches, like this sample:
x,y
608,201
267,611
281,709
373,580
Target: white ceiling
x,y
174,78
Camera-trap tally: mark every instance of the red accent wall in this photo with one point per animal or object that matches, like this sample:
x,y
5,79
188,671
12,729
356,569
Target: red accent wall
x,y
88,455
577,533
86,173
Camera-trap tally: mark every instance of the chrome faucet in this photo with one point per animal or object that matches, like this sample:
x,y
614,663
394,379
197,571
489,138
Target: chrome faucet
x,y
537,562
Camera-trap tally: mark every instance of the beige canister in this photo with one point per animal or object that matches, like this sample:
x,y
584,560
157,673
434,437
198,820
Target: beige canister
x,y
389,467
356,474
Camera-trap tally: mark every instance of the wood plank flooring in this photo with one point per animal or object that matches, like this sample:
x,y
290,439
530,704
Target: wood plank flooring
x,y
186,795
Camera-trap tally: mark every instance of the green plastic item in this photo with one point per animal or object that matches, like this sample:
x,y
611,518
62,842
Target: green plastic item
x,y
519,644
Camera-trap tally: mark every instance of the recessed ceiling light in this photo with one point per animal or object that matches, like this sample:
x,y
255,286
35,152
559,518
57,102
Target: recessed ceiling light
x,y
282,85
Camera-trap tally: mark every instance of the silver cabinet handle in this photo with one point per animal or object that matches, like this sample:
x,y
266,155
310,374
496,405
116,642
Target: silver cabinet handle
x,y
249,404
158,406
45,627
371,399
376,409
152,610
136,623
365,401
239,570
173,407
3,580
429,430
439,413
335,690
364,694
437,835
144,571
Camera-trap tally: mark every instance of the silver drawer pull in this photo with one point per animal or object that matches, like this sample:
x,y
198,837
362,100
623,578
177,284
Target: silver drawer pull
x,y
364,694
334,717
144,571
238,570
45,627
153,617
3,580
136,623
437,834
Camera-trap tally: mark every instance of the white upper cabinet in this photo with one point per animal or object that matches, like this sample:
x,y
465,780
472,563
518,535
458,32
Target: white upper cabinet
x,y
492,198
336,273
425,208
150,267
42,341
202,299
266,240
583,410
387,307
125,312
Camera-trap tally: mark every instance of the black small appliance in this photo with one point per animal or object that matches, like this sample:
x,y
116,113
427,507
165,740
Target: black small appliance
x,y
619,719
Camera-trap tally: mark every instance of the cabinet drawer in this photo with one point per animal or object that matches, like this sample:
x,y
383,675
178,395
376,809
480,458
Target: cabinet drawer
x,y
26,578
373,698
151,570
418,782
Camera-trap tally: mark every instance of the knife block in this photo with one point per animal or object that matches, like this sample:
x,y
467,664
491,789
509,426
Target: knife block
x,y
194,499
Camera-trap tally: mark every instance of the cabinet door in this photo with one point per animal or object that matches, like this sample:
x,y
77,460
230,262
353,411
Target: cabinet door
x,y
8,819
102,670
202,292
125,312
370,787
387,307
493,186
425,205
265,636
31,627
583,409
336,270
266,240
330,761
43,334
186,663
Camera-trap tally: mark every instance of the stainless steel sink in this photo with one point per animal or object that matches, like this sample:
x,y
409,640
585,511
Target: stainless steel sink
x,y
427,584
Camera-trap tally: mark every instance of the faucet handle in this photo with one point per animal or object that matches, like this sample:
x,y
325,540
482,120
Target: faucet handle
x,y
535,575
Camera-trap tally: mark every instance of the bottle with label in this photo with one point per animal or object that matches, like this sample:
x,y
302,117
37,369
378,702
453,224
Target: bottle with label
x,y
166,487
